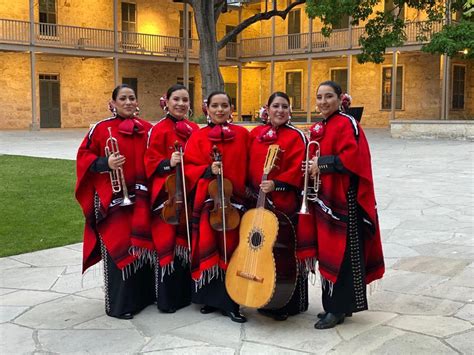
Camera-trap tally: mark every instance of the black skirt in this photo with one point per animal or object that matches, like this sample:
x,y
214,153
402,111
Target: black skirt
x,y
130,295
173,291
214,294
348,294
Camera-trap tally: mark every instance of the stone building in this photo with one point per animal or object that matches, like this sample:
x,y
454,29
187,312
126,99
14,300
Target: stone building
x,y
60,60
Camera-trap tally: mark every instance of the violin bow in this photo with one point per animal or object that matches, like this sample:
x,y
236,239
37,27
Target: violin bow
x,y
185,198
218,157
223,211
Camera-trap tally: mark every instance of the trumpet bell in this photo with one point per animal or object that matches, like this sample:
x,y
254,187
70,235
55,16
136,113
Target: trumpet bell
x,y
126,202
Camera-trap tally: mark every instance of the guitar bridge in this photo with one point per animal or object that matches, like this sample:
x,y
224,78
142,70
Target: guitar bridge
x,y
248,276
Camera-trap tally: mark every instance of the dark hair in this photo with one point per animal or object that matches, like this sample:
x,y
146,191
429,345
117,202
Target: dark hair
x,y
277,94
174,88
118,88
336,87
214,93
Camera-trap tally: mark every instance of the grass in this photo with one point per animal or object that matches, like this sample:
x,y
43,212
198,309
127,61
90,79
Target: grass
x,y
37,205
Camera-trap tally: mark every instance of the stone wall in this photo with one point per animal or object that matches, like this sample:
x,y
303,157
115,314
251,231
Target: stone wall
x,y
154,79
16,89
421,86
15,10
85,87
452,129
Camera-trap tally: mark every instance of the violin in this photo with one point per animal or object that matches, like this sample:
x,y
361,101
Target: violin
x,y
224,216
175,208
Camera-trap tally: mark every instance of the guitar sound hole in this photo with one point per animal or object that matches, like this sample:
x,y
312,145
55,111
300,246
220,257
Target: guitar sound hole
x,y
256,239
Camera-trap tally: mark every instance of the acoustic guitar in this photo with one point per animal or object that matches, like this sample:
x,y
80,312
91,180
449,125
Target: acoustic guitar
x,y
262,271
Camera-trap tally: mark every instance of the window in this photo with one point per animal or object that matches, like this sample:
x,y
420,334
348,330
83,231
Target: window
x,y
133,83
190,29
459,81
389,6
293,88
387,88
231,89
129,17
129,24
191,91
340,77
294,29
231,47
47,11
342,24
47,17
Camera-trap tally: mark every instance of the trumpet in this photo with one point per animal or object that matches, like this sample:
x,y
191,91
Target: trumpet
x,y
313,194
117,178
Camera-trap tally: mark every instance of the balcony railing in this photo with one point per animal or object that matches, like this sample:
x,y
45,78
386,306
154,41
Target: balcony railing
x,y
52,35
94,39
13,31
338,40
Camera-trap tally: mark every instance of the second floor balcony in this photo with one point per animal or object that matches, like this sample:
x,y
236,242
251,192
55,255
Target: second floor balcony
x,y
19,33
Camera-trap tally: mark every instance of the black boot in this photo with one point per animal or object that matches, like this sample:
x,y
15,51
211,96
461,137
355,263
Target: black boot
x,y
124,316
235,316
330,321
279,316
207,309
321,315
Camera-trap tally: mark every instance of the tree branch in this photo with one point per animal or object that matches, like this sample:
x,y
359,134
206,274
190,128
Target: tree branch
x,y
190,2
255,18
220,6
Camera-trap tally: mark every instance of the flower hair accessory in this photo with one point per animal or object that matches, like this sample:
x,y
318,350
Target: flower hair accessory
x,y
263,114
163,102
346,101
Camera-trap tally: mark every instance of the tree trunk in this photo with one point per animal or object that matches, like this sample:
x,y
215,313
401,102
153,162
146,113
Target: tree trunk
x,y
208,55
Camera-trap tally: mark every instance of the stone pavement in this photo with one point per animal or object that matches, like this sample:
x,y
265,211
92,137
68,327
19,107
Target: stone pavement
x,y
425,304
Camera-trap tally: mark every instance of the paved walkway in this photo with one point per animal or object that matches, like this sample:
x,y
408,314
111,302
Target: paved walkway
x,y
424,306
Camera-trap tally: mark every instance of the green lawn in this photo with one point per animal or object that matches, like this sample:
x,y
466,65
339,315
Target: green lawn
x,y
37,205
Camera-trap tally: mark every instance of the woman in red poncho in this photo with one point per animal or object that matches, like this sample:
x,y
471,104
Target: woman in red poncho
x,y
346,242
208,262
172,275
116,232
283,185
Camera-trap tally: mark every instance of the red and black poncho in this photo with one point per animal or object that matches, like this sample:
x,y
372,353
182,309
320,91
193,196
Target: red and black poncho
x,y
124,230
166,238
292,143
341,136
231,140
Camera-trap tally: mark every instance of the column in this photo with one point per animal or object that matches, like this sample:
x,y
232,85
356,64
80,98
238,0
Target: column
x,y
186,46
349,73
309,93
35,122
239,91
394,84
116,40
272,74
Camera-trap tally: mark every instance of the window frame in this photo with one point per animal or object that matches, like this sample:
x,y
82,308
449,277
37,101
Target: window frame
x,y
347,77
402,108
302,86
452,87
129,2
126,78
47,12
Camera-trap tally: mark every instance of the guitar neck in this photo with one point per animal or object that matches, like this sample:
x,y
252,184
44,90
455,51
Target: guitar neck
x,y
261,194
